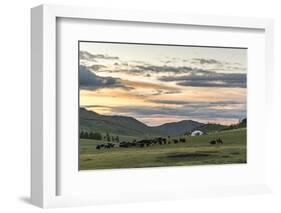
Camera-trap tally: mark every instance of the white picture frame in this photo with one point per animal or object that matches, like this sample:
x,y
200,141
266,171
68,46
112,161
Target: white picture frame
x,y
44,154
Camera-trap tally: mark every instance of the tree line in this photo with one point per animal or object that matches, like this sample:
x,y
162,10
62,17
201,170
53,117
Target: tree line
x,y
242,124
98,136
90,135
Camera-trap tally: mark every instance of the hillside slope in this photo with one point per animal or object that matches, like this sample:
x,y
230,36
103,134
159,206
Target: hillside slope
x,y
123,125
179,128
211,127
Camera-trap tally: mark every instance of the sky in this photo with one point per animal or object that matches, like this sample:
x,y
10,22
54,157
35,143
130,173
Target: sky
x,y
158,84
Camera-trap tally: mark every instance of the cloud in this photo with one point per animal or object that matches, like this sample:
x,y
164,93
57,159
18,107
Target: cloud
x,y
152,69
101,56
90,81
207,61
165,68
209,79
146,70
84,55
235,68
92,106
190,112
156,87
197,67
200,104
96,67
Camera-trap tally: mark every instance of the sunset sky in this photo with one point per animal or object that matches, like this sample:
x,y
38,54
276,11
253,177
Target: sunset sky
x,y
158,84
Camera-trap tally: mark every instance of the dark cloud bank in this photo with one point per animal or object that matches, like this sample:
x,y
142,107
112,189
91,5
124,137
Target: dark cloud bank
x,y
209,79
194,112
89,80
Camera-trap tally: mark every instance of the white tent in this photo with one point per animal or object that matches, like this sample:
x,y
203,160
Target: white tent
x,y
197,133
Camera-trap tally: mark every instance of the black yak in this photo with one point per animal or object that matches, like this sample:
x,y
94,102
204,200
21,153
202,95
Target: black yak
x,y
182,140
217,141
213,142
175,141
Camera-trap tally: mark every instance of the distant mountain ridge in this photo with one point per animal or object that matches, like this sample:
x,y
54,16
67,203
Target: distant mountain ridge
x,y
179,128
211,127
124,125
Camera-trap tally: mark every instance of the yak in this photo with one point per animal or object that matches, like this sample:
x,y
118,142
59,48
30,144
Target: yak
x,y
182,140
213,142
175,141
217,141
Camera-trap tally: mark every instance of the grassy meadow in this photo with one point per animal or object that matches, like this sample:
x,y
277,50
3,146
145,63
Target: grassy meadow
x,y
196,151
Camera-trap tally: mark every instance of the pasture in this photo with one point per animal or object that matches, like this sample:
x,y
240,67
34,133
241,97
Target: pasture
x,y
196,151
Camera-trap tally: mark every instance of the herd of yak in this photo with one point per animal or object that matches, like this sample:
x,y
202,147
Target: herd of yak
x,y
150,142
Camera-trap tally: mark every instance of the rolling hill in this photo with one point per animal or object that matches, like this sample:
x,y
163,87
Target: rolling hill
x,y
212,127
123,125
179,128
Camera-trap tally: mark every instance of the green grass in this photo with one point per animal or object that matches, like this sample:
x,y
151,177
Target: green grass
x,y
196,151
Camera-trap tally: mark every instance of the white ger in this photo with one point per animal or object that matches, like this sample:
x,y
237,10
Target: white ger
x,y
197,133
